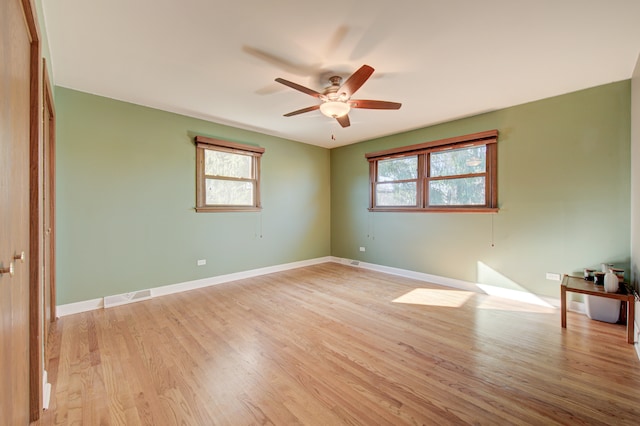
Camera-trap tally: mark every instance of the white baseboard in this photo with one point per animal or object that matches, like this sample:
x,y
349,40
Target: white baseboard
x,y
46,391
119,299
420,276
78,307
126,298
522,296
206,282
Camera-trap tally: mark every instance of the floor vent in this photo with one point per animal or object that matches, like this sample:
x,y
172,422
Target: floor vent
x,y
355,263
121,299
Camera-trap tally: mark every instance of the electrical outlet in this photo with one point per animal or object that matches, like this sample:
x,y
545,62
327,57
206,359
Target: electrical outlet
x,y
362,249
202,262
552,276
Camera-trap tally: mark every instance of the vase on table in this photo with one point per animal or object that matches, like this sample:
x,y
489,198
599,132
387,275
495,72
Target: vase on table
x,y
611,282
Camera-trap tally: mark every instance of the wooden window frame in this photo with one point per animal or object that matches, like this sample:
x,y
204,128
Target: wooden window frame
x,y
423,150
203,143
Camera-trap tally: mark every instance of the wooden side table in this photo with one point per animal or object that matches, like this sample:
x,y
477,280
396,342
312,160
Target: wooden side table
x,y
580,285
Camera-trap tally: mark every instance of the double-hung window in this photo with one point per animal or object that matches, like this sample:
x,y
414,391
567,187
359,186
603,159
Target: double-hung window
x,y
228,176
451,175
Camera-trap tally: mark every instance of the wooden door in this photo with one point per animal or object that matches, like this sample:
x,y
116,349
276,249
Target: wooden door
x,y
15,113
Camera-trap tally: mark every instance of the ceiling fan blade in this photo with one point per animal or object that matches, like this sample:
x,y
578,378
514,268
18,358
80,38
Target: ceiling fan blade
x,y
344,120
298,87
336,40
303,110
367,104
356,80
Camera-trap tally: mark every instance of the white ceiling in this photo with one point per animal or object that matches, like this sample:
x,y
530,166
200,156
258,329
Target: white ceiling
x,y
442,59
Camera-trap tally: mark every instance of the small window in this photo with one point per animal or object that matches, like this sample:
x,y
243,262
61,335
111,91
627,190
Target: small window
x,y
458,177
397,182
228,176
456,174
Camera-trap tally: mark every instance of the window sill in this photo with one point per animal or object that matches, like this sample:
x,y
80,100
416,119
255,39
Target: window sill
x,y
227,209
437,209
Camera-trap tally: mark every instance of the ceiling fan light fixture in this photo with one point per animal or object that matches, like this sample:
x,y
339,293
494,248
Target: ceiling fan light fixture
x,y
335,109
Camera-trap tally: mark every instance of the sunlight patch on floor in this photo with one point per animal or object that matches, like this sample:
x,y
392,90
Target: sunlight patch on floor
x,y
495,303
514,295
435,297
457,298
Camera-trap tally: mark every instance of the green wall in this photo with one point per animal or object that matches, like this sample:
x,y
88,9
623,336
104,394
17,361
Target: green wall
x,y
563,192
126,194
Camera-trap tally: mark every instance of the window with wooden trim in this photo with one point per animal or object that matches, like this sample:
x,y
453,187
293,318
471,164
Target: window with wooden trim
x,y
228,176
457,174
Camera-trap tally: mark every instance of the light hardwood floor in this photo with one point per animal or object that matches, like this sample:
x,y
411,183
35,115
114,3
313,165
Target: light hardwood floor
x,y
331,345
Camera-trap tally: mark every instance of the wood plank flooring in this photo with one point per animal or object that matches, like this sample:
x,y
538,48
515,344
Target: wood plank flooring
x,y
335,345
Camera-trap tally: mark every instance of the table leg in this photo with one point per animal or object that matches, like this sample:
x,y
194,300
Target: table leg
x,y
631,308
563,306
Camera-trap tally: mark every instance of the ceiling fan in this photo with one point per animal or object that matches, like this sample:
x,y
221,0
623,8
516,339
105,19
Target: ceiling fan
x,y
336,98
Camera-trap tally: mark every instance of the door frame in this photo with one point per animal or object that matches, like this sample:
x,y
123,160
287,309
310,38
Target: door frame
x,y
51,161
48,183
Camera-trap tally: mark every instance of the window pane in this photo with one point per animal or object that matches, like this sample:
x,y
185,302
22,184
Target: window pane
x,y
217,163
459,161
396,194
226,192
457,192
398,169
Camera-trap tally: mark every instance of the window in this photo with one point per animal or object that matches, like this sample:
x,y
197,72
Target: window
x,y
450,175
228,176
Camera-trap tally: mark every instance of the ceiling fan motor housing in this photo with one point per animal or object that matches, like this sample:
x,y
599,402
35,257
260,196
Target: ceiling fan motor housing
x,y
330,93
